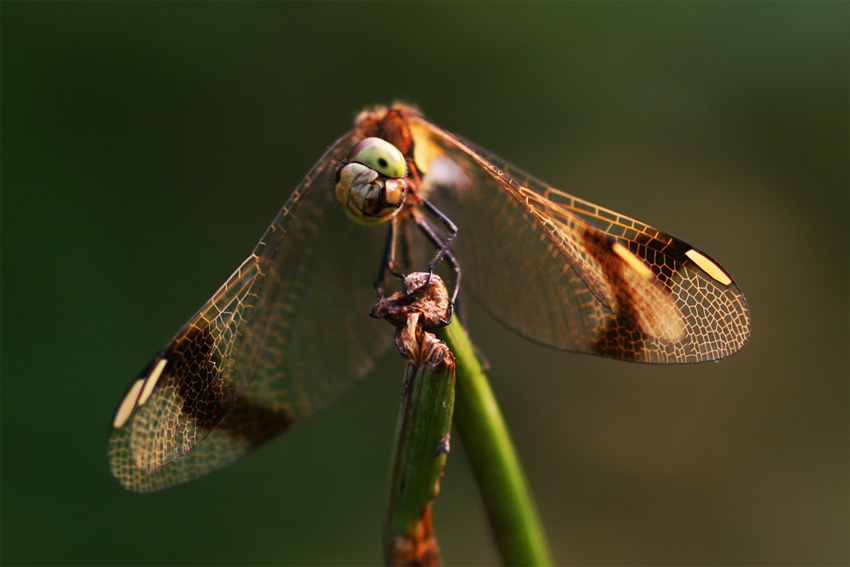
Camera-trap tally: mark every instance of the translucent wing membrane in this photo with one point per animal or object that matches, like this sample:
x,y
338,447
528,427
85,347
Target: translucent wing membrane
x,y
282,338
574,276
289,331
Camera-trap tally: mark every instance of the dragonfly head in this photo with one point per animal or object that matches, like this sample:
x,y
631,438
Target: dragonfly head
x,y
371,186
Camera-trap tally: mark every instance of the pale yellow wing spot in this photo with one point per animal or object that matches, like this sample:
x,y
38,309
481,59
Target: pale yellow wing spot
x,y
633,261
127,404
152,379
708,267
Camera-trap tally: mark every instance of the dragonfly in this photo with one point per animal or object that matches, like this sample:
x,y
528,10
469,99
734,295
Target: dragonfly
x,y
287,333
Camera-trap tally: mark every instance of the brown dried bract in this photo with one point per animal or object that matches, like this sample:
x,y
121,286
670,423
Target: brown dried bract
x,y
425,305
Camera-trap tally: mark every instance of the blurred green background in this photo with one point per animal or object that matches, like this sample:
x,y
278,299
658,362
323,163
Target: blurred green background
x,y
146,146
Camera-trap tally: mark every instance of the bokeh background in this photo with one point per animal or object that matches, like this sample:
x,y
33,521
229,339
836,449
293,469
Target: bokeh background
x,y
146,146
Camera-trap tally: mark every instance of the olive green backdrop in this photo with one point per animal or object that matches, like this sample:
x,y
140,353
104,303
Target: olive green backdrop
x,y
146,146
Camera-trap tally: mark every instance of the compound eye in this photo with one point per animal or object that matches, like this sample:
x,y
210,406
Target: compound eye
x,y
380,155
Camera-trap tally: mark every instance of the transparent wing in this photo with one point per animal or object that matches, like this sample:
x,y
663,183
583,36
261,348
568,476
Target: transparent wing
x,y
283,337
571,275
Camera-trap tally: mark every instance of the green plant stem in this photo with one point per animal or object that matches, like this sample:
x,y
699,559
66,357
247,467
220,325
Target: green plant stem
x,y
510,505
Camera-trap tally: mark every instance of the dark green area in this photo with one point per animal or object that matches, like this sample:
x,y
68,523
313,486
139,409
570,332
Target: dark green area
x,y
146,146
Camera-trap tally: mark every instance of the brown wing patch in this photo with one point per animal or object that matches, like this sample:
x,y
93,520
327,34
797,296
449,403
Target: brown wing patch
x,y
254,360
186,391
572,275
190,398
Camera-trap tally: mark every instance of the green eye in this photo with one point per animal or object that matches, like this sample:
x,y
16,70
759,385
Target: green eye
x,y
380,155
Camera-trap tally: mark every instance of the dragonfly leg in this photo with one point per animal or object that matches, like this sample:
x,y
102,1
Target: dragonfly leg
x,y
443,247
387,261
446,254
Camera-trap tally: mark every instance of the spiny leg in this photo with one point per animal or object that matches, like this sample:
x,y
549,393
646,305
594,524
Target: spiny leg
x,y
387,260
444,253
442,247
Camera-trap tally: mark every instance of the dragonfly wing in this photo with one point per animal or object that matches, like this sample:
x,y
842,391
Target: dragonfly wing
x,y
283,337
571,275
